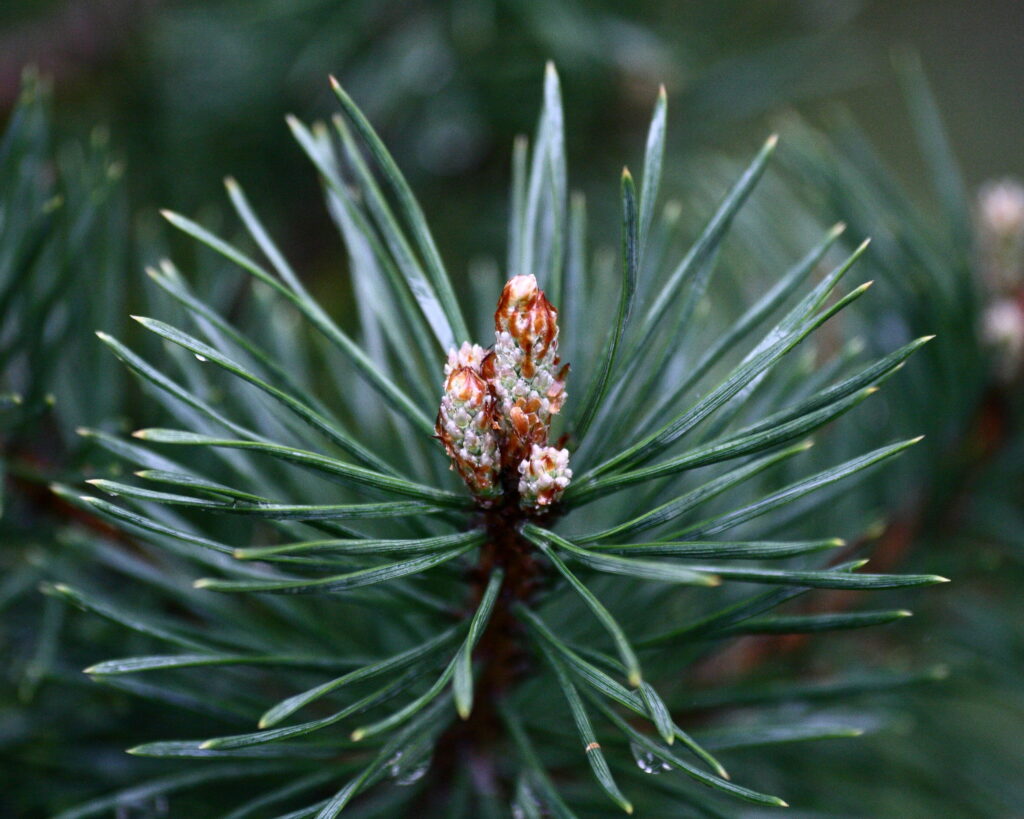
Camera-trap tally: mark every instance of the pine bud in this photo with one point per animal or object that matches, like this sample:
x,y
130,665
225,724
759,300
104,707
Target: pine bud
x,y
495,416
525,314
1001,205
523,368
465,425
543,476
468,355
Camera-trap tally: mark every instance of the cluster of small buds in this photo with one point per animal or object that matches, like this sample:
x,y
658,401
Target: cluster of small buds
x,y
543,476
515,389
468,355
465,425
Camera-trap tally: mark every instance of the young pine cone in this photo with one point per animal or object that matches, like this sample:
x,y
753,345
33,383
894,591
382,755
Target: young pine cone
x,y
544,474
524,368
465,425
496,411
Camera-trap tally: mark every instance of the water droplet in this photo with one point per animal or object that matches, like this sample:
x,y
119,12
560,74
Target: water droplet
x,y
526,803
648,762
200,357
408,768
142,808
413,774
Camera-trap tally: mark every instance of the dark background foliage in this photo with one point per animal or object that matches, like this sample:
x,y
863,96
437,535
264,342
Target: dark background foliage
x,y
197,90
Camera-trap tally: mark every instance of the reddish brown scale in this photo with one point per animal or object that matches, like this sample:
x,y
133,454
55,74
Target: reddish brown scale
x,y
487,366
529,317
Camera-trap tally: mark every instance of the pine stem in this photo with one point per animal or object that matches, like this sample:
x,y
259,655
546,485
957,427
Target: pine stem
x,y
502,657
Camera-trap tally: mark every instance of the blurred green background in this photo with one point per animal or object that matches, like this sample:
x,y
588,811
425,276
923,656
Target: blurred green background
x,y
189,92
192,91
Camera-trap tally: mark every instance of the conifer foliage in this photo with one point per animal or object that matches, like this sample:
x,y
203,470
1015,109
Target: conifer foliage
x,y
363,629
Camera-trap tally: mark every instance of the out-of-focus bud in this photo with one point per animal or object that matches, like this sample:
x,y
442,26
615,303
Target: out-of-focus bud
x,y
524,368
1000,217
1003,330
543,476
465,425
1001,206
